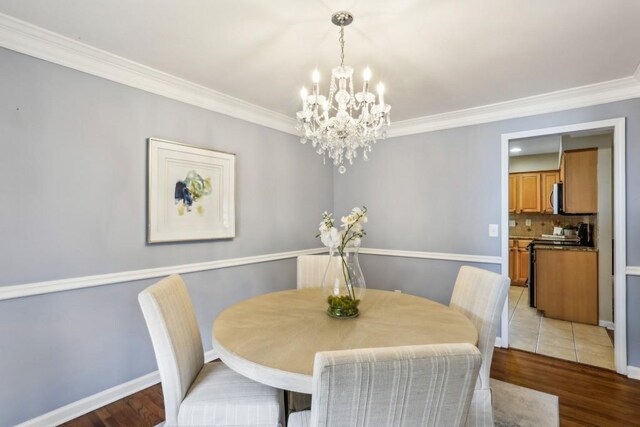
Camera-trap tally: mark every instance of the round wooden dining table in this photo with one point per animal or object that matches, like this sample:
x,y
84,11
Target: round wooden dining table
x,y
273,338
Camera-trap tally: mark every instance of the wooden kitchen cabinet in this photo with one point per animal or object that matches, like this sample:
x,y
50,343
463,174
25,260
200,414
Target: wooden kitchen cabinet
x,y
523,266
547,180
519,262
579,173
528,189
513,254
529,192
566,284
513,186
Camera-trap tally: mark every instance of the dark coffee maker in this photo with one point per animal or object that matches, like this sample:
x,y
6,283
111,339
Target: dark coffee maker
x,y
584,234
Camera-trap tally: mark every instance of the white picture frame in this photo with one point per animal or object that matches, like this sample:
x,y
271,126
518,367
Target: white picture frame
x,y
191,193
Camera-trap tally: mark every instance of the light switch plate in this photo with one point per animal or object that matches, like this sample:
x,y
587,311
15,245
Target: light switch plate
x,y
527,222
493,230
512,223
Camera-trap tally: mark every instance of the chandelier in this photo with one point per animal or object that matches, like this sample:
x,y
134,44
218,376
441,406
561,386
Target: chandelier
x,y
342,122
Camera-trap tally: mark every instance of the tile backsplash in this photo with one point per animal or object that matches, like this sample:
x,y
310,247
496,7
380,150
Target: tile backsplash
x,y
543,223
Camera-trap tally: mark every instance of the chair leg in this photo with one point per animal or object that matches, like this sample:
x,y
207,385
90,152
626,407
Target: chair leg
x,y
298,401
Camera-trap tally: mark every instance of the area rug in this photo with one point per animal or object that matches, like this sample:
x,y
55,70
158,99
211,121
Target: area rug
x,y
519,406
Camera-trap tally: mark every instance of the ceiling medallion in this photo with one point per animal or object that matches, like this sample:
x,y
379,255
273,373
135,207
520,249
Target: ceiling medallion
x,y
342,122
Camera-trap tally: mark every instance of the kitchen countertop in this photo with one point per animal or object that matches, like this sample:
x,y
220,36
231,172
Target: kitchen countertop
x,y
522,237
567,248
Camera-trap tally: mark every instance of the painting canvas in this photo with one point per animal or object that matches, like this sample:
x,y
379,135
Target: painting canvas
x,y
191,194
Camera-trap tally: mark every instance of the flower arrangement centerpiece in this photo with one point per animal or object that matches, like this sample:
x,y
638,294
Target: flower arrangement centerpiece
x,y
343,281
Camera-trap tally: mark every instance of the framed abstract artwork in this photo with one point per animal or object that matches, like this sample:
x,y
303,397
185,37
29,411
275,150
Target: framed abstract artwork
x,y
191,193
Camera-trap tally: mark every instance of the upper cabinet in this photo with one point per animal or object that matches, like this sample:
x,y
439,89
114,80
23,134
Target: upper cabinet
x,y
528,185
546,185
528,191
513,196
579,173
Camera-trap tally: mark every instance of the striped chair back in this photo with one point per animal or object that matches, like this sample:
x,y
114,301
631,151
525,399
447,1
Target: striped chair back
x,y
311,270
426,385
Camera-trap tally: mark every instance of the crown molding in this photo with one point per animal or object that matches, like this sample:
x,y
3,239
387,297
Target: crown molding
x,y
566,99
31,40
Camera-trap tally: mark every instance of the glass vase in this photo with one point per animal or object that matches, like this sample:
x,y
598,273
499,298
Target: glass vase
x,y
343,284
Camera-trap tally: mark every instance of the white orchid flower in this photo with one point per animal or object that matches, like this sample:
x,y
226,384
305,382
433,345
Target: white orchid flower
x,y
331,238
348,220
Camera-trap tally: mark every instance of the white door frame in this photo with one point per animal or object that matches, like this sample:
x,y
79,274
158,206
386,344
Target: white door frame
x,y
619,224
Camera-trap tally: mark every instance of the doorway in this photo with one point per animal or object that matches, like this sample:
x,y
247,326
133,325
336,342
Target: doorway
x,y
616,127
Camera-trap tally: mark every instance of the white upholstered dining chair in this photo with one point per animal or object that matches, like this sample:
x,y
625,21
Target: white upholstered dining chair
x,y
480,295
425,385
311,270
198,394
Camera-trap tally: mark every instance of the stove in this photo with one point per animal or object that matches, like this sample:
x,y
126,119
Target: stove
x,y
547,239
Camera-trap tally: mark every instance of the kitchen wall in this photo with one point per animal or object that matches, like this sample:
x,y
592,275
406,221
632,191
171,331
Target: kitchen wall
x,y
544,223
74,169
534,163
437,192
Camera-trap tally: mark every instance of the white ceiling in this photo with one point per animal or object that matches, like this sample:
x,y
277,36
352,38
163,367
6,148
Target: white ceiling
x,y
538,145
434,56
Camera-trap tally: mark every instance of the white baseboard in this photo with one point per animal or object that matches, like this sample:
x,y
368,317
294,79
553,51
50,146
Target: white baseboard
x,y
607,324
633,372
98,400
498,342
93,402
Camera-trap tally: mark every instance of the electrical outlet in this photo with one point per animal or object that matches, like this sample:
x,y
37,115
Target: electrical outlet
x,y
512,223
493,230
527,222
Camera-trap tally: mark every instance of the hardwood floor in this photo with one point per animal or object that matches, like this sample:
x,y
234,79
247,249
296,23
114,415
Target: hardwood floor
x,y
145,408
589,396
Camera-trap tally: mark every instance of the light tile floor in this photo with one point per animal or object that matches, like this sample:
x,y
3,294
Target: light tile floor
x,y
530,331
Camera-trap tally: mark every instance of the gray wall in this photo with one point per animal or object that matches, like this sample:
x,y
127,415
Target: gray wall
x,y
73,168
439,191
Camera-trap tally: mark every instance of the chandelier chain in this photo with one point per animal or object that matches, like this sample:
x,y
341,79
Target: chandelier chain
x,y
341,40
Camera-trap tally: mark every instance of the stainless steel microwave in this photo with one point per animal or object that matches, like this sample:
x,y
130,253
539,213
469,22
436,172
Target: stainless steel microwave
x,y
556,199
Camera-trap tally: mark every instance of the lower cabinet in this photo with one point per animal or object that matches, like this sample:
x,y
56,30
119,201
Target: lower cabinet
x,y
519,262
523,265
567,284
513,254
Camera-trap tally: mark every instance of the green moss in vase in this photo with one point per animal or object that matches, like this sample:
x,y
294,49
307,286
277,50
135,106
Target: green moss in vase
x,y
342,306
